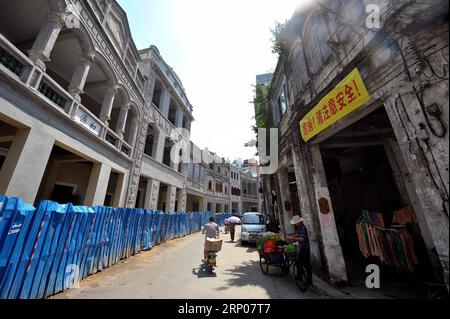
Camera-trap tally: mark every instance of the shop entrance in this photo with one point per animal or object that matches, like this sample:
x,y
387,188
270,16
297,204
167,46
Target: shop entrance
x,y
364,186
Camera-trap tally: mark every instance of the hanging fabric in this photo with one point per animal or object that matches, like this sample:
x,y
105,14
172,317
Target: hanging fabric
x,y
394,247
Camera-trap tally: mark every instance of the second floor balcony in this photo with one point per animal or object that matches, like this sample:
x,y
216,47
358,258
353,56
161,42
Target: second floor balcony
x,y
249,196
58,64
20,71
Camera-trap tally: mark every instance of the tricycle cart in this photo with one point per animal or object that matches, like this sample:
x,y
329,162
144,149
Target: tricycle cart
x,y
278,257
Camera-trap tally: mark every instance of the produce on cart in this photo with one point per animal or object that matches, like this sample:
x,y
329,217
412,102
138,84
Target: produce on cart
x,y
272,246
290,249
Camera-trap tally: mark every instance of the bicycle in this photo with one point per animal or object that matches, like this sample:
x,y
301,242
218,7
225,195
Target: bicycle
x,y
285,263
210,261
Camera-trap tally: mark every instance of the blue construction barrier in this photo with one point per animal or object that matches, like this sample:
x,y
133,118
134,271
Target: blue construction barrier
x,y
47,250
221,218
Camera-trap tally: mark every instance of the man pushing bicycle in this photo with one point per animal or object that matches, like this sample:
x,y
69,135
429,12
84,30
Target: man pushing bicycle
x,y
301,236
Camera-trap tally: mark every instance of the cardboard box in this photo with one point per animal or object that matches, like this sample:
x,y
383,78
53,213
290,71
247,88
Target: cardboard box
x,y
213,244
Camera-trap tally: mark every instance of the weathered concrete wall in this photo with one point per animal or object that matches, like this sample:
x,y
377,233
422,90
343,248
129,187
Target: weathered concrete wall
x,y
309,209
407,92
405,61
332,248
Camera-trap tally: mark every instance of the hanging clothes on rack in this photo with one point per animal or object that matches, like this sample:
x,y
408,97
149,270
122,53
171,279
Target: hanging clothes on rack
x,y
394,247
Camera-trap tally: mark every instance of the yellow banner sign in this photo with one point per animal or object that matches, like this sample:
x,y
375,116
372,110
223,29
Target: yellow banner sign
x,y
346,97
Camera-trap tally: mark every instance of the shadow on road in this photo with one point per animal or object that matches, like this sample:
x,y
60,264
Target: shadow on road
x,y
201,272
250,247
249,274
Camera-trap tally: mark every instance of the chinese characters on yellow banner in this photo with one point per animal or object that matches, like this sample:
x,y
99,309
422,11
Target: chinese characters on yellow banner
x,y
346,97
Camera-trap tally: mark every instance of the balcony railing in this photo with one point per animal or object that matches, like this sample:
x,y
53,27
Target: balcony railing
x,y
250,196
17,67
125,148
52,94
10,62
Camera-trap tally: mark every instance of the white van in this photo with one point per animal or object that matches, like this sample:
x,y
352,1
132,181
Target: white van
x,y
253,226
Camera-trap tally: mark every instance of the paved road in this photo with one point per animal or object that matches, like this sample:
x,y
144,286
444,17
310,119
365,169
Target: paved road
x,y
173,271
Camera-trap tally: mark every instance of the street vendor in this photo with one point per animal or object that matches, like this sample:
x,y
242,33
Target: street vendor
x,y
211,230
301,236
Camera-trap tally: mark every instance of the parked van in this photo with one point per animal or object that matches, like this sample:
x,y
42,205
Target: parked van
x,y
253,226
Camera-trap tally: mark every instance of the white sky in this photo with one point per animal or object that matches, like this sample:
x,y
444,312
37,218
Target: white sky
x,y
216,48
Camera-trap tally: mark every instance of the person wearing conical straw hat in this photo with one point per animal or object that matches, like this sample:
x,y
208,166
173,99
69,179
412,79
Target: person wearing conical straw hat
x,y
301,236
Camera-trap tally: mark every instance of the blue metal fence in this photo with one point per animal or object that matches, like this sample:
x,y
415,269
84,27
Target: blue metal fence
x,y
47,250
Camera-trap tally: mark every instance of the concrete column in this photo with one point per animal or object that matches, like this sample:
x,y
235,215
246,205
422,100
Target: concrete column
x,y
306,207
160,140
170,198
78,81
119,191
179,118
151,194
133,132
46,39
202,204
421,171
25,164
122,121
182,195
259,204
108,101
267,195
164,103
98,183
330,238
284,192
279,206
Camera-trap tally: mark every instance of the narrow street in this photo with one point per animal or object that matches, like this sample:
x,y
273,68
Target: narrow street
x,y
173,271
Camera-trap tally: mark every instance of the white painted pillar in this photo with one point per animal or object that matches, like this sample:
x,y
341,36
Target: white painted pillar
x,y
119,191
108,101
122,121
151,194
170,198
25,164
203,204
46,39
182,195
179,118
330,238
133,132
164,103
160,140
98,184
78,81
